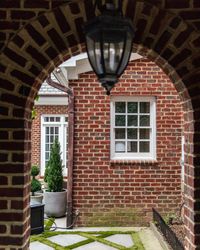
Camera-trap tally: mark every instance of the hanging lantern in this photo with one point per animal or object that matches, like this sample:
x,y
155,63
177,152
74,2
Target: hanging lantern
x,y
109,39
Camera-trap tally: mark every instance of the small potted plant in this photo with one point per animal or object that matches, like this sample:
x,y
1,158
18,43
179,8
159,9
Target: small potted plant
x,y
55,198
36,187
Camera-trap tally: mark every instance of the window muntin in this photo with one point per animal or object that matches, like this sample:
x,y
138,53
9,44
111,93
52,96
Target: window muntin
x,y
52,127
52,119
133,128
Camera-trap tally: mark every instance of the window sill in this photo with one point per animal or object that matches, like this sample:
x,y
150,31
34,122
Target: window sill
x,y
133,161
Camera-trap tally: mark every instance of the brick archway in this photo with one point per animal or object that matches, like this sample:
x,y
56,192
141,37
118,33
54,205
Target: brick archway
x,y
41,45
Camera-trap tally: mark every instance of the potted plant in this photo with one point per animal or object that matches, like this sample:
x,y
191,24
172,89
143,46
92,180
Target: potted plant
x,y
36,187
55,198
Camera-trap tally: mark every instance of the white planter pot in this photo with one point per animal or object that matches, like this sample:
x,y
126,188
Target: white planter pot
x,y
36,199
55,203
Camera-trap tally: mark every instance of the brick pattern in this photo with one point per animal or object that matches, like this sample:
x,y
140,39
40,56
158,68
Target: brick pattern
x,y
35,41
14,16
105,189
36,128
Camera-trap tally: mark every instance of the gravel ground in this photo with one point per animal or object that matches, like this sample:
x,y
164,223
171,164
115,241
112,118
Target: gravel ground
x,y
179,231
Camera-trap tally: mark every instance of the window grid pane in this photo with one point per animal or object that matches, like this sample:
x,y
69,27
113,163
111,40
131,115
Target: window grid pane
x,y
144,133
132,107
120,107
120,146
132,147
145,107
132,120
144,147
132,123
120,120
144,120
120,133
132,133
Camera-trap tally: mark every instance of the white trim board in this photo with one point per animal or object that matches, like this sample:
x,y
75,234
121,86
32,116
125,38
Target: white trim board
x,y
52,100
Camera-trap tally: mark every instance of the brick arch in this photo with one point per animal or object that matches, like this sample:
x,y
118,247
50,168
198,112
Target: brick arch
x,y
44,43
167,40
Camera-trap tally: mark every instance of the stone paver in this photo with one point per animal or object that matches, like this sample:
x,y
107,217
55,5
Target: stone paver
x,y
122,239
39,246
67,240
147,237
100,229
149,240
95,246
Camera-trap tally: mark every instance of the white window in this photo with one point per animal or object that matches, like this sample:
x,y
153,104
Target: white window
x,y
133,128
53,126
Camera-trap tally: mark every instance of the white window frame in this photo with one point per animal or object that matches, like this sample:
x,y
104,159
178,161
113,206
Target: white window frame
x,y
134,156
62,137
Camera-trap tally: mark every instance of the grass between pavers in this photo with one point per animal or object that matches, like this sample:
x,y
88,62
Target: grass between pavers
x,y
98,236
90,237
48,223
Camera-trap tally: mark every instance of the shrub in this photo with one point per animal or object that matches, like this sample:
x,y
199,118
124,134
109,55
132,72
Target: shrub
x,y
54,169
35,170
35,184
46,172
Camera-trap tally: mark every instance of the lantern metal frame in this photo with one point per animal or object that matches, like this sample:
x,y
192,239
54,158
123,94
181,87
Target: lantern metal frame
x,y
110,34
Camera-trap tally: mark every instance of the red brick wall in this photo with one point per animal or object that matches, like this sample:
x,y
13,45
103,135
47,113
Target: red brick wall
x,y
171,38
36,128
112,192
15,14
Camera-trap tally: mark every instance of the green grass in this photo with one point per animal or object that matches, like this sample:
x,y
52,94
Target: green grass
x,y
98,236
90,237
48,223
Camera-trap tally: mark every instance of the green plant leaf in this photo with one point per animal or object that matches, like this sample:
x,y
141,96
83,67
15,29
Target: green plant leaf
x,y
54,171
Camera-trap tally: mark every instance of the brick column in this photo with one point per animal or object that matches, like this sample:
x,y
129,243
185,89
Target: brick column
x,y
14,182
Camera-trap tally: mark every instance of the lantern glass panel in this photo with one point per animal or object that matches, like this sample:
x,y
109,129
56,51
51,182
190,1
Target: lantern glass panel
x,y
127,52
94,54
112,51
98,58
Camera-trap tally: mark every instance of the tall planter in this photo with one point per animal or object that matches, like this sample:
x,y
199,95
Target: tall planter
x,y
55,203
55,197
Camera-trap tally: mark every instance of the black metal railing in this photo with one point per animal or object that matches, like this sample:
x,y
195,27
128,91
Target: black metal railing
x,y
170,236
